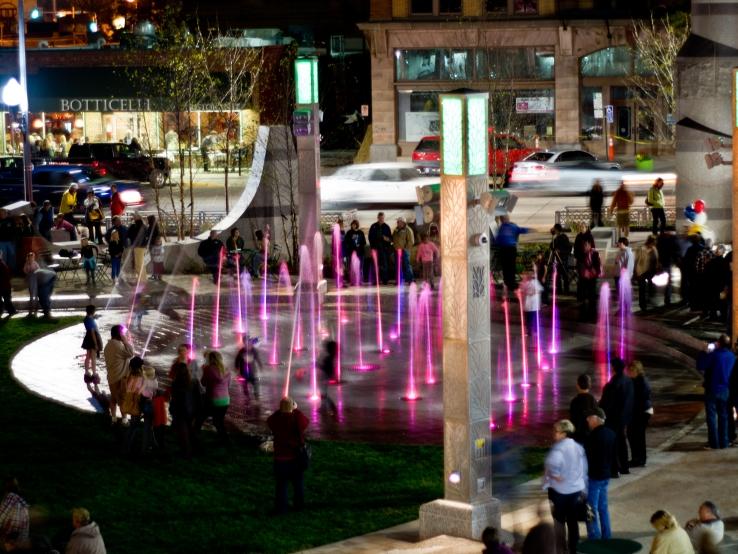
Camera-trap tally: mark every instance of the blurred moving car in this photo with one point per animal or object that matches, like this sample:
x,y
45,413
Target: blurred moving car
x,y
504,150
573,172
50,182
372,186
121,160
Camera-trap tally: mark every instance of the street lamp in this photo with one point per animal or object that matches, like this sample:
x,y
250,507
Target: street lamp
x,y
14,95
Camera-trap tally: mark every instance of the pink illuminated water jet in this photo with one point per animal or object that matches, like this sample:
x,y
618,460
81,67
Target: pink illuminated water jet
x,y
356,283
602,343
284,285
267,237
193,295
216,314
398,329
411,393
554,347
625,293
523,344
304,268
425,335
378,314
238,323
508,351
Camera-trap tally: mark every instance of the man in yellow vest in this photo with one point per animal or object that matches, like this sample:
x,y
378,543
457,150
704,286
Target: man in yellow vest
x,y
69,203
655,200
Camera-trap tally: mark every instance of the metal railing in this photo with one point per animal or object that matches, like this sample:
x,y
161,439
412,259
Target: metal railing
x,y
202,221
640,217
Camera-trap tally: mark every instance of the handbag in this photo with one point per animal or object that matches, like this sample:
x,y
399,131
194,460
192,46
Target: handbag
x,y
584,510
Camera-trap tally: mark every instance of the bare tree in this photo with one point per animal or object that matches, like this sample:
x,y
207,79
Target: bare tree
x,y
235,69
656,45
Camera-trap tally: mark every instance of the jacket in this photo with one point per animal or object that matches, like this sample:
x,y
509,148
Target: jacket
x,y
117,207
716,366
625,260
580,405
403,239
216,385
68,202
289,433
617,401
566,467
508,233
600,449
377,233
117,353
655,197
647,261
621,200
86,540
672,541
427,252
641,395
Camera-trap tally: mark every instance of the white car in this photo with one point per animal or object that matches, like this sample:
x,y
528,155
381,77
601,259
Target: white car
x,y
574,171
372,186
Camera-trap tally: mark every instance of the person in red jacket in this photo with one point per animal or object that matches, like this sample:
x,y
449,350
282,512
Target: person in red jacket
x,y
288,426
117,206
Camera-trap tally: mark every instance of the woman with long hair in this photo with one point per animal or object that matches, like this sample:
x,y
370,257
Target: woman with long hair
x,y
217,380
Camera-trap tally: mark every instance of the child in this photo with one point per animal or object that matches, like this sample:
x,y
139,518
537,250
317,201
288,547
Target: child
x,y
157,259
140,310
530,294
89,260
92,343
248,366
427,253
115,250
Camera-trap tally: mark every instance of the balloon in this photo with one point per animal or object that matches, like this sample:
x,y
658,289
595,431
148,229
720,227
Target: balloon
x,y
689,213
700,218
699,206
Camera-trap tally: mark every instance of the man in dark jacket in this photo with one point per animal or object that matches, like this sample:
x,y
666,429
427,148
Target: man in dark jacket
x,y
288,426
617,402
561,245
600,449
580,406
716,364
209,250
380,240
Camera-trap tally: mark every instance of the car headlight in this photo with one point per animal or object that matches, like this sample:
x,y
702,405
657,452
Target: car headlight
x,y
131,197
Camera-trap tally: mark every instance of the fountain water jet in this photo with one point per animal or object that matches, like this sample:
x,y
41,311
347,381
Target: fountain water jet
x,y
193,295
424,321
356,283
625,293
602,344
523,344
554,347
378,315
506,310
216,314
411,394
398,332
304,255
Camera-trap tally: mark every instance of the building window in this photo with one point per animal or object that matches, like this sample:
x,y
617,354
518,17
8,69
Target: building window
x,y
417,115
421,7
525,7
527,113
592,113
449,6
433,65
516,63
497,7
608,62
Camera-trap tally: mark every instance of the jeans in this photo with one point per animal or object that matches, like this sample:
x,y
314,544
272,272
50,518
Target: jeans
x,y
599,527
659,220
644,290
286,471
7,302
114,267
564,511
716,411
407,270
508,260
95,231
44,295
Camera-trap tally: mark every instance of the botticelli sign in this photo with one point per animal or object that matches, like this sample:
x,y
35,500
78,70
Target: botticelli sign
x,y
104,105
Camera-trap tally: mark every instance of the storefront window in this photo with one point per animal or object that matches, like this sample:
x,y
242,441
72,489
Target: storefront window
x,y
421,7
515,63
497,7
592,113
450,6
608,62
432,65
525,7
417,115
525,113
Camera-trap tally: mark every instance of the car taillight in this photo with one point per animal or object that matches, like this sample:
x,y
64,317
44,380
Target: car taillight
x,y
95,163
539,167
102,171
131,197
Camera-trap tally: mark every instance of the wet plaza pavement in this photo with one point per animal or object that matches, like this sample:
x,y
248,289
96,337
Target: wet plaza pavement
x,y
370,399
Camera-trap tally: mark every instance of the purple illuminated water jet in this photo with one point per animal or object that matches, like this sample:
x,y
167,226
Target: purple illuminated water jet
x,y
267,237
506,310
398,329
304,266
356,283
426,336
216,314
238,323
378,315
523,344
554,347
193,295
602,344
625,293
411,393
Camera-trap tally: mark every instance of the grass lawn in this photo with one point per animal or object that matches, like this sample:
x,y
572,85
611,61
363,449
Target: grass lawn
x,y
219,502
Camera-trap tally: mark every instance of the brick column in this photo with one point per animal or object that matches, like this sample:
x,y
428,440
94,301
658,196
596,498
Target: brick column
x,y
567,99
384,138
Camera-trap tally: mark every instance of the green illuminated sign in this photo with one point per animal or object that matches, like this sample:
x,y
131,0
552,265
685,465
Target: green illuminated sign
x,y
306,80
452,156
476,142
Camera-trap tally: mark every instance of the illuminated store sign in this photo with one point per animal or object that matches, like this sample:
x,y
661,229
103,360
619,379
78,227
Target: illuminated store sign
x,y
104,105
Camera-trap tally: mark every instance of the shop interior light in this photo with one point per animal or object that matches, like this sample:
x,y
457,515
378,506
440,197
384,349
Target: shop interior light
x,y
92,26
13,95
35,14
79,123
119,22
37,123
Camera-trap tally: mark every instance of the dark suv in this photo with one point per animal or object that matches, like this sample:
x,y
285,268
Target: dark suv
x,y
121,160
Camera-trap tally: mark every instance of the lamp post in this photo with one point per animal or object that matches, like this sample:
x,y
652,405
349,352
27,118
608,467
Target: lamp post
x,y
16,94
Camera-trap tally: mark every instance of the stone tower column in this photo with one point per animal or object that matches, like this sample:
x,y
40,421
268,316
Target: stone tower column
x,y
468,506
